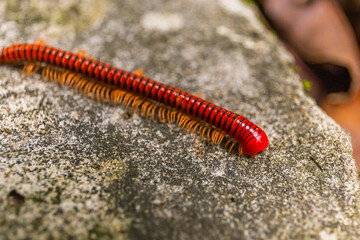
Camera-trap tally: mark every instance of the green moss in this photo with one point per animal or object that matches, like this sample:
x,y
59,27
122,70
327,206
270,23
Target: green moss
x,y
307,85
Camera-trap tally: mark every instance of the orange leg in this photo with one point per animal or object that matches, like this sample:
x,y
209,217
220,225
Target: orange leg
x,y
40,41
139,72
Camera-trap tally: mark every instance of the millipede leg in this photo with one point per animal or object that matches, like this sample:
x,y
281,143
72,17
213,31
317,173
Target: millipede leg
x,y
190,125
203,133
107,95
240,150
194,129
232,145
139,72
163,115
40,41
148,110
136,105
31,68
208,134
81,52
153,112
222,135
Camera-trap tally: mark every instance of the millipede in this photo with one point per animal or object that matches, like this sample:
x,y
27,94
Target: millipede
x,y
104,82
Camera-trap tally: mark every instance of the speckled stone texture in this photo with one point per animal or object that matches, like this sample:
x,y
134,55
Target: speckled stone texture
x,y
71,167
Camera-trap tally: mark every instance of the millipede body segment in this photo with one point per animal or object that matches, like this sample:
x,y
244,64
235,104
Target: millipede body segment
x,y
251,138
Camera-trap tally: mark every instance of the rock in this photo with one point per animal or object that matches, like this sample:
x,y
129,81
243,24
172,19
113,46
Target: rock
x,y
71,167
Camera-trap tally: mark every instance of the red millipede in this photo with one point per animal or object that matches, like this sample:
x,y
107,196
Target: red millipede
x,y
104,80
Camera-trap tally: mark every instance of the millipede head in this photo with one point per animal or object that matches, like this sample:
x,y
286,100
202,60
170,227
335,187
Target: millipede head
x,y
257,143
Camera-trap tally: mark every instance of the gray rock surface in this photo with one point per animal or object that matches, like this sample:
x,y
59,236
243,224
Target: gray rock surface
x,y
71,167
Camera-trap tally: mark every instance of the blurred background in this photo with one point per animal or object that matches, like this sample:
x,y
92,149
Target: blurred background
x,y
323,36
